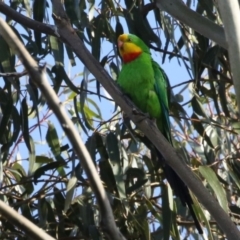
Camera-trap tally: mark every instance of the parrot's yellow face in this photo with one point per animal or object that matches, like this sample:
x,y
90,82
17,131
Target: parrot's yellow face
x,y
127,48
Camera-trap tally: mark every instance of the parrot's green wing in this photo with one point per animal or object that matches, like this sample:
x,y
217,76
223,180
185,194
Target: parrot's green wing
x,y
162,89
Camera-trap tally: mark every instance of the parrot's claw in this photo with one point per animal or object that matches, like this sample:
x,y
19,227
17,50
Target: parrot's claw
x,y
144,115
137,112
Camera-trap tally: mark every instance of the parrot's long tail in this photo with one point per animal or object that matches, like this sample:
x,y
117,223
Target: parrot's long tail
x,y
179,188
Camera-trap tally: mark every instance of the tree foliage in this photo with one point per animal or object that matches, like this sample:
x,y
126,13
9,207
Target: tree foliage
x,y
41,177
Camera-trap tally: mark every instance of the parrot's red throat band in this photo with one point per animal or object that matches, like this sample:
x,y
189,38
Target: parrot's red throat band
x,y
128,57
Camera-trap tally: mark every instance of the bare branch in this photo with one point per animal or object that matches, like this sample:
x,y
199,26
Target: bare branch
x,y
23,223
147,8
229,10
28,22
14,74
178,10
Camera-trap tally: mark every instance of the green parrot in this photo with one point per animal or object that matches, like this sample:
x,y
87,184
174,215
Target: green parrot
x,y
146,84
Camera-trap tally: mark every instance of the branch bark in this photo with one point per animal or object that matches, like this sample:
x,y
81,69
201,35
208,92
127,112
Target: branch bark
x,y
39,78
69,37
28,22
23,223
229,10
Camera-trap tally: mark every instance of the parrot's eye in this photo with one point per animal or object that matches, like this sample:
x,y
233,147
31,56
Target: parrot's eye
x,y
129,40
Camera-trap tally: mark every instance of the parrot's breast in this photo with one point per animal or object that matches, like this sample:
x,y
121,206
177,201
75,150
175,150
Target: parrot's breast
x,y
136,79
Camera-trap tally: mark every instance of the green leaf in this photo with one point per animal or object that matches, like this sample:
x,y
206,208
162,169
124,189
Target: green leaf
x,y
6,56
106,174
200,129
57,70
91,147
217,188
40,160
16,124
208,7
50,166
59,202
47,212
87,114
33,92
70,191
7,108
43,159
98,115
136,186
94,233
98,23
167,208
75,103
72,11
61,71
209,154
236,126
154,212
141,222
70,55
104,61
198,108
139,175
53,142
26,212
19,170
143,29
233,174
32,156
118,29
180,45
112,145
223,99
39,7
1,169
114,70
25,127
58,50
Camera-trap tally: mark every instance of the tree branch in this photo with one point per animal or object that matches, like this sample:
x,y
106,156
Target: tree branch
x,y
230,15
23,223
39,78
147,8
28,22
204,26
68,35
